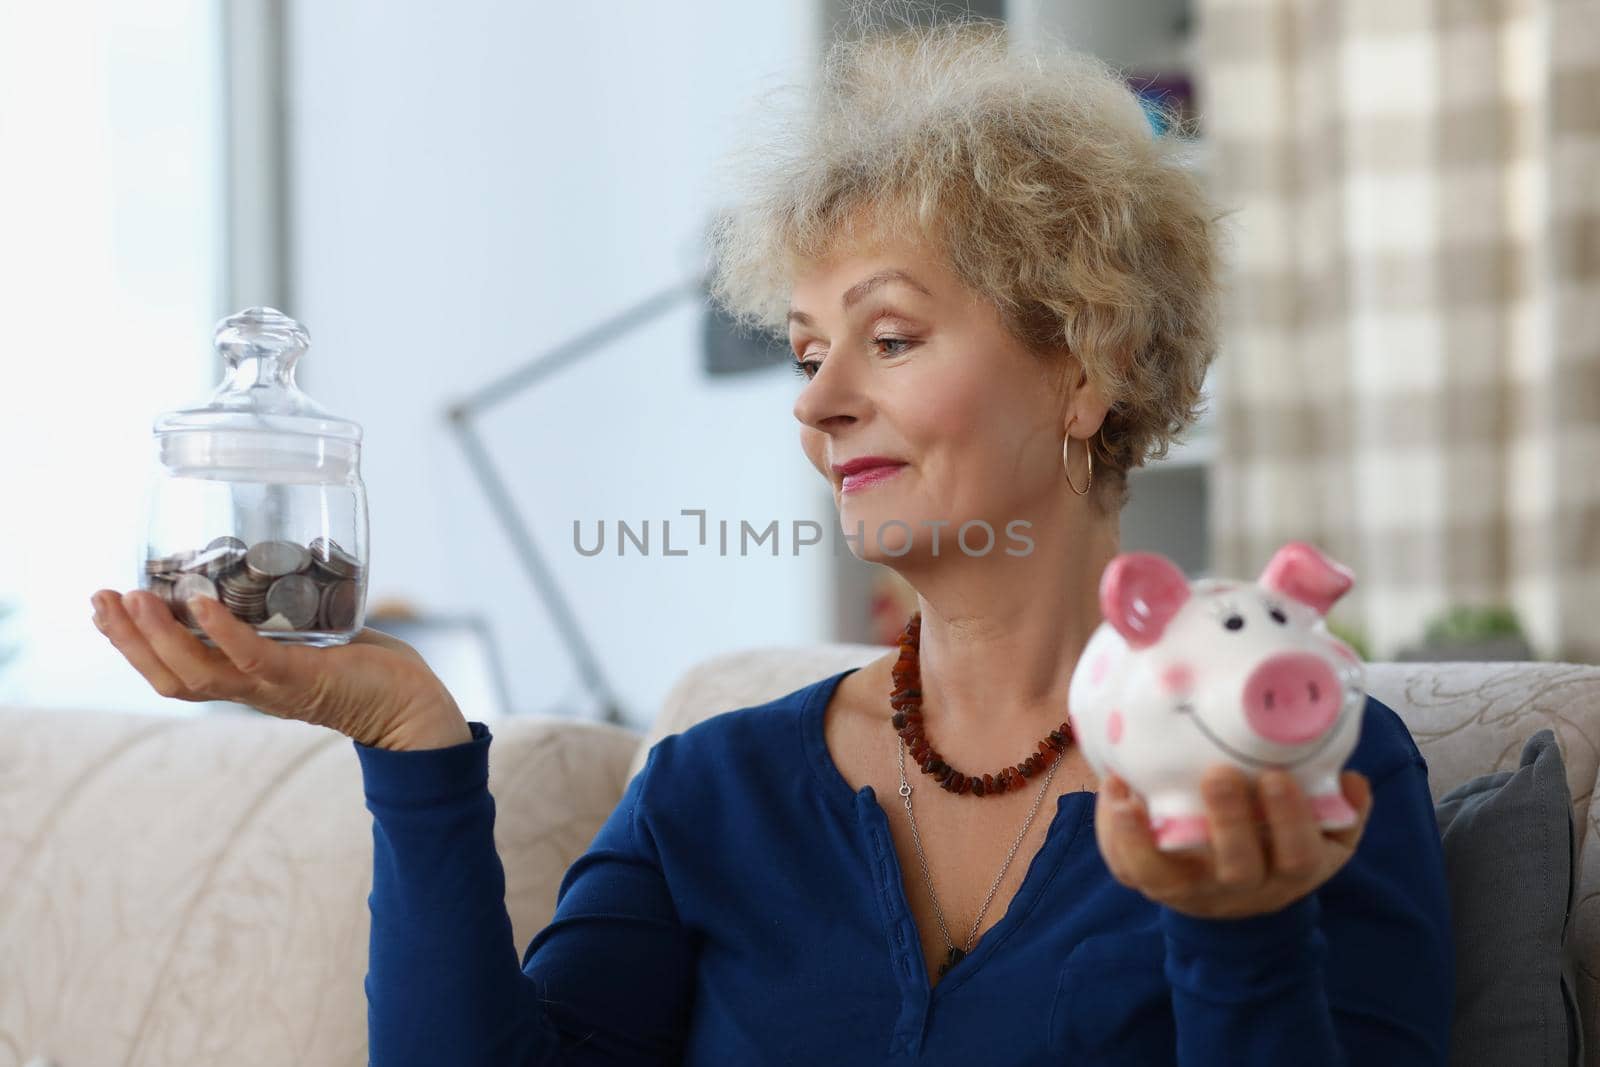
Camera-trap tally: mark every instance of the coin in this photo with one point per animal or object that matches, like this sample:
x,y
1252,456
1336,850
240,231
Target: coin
x,y
243,581
214,562
296,598
167,564
275,559
332,559
226,565
320,586
190,585
338,609
244,594
233,588
161,586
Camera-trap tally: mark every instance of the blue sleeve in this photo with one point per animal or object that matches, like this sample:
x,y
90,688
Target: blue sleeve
x,y
1361,971
607,982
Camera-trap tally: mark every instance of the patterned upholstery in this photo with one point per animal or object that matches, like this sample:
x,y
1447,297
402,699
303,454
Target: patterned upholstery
x,y
192,891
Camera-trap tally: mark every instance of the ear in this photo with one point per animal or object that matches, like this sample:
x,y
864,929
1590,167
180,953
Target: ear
x,y
1140,592
1082,401
1299,571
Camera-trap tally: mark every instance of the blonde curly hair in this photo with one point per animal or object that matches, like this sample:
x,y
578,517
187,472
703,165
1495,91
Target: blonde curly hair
x,y
1036,173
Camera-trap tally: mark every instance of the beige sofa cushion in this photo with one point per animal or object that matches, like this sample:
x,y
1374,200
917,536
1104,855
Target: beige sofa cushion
x,y
193,891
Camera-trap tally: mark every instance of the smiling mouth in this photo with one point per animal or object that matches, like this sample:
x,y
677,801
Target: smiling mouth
x,y
1187,708
868,476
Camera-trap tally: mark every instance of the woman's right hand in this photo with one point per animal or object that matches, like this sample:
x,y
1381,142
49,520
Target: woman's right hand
x,y
375,690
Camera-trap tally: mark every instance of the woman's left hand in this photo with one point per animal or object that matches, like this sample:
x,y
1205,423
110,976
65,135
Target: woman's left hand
x,y
1248,868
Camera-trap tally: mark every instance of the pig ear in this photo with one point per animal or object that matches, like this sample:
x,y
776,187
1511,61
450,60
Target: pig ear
x,y
1140,592
1299,571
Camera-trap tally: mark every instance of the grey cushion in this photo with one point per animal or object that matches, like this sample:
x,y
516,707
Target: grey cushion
x,y
1509,849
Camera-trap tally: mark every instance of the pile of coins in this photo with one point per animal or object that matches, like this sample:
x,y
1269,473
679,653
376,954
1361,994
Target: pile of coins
x,y
274,585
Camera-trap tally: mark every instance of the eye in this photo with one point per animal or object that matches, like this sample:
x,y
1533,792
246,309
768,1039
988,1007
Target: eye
x,y
1278,616
1234,622
807,368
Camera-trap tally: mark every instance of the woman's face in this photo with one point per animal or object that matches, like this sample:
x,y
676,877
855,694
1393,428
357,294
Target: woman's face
x,y
907,364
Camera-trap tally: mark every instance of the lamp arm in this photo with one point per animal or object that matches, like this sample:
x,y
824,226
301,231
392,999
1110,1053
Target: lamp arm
x,y
537,367
460,416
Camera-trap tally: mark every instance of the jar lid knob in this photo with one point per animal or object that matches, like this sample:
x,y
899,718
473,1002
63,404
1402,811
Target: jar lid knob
x,y
261,346
261,333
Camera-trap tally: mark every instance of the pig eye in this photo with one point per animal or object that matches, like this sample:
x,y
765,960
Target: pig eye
x,y
1279,617
1234,622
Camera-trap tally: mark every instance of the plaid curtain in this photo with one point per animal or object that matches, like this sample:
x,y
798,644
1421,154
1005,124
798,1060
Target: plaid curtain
x,y
1409,376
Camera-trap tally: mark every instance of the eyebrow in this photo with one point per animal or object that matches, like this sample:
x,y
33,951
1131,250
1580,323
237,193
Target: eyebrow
x,y
858,292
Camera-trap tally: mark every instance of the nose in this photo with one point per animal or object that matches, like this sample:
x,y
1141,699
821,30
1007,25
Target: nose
x,y
1291,698
831,399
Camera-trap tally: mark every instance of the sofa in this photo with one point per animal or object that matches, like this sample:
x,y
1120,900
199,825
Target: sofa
x,y
192,889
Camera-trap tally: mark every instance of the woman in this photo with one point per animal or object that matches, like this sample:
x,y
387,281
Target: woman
x,y
1000,289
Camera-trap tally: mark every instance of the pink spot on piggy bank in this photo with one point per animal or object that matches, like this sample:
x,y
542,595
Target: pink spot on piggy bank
x,y
1177,678
1099,668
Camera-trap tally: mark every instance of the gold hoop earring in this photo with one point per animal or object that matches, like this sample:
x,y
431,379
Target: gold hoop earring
x,y
1066,462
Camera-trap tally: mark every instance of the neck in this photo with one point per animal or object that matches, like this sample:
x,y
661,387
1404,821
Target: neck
x,y
996,657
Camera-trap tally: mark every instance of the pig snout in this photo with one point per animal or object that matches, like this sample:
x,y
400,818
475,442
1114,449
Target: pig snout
x,y
1291,698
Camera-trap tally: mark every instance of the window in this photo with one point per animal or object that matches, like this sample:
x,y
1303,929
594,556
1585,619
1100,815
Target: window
x,y
111,274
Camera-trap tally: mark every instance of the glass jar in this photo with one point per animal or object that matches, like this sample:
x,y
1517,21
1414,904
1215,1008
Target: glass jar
x,y
257,499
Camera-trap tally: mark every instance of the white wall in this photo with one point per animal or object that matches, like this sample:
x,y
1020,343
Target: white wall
x,y
476,182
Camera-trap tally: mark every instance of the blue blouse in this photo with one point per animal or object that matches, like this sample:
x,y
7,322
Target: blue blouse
x,y
743,906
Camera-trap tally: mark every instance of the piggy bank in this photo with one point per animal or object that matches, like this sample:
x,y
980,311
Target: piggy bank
x,y
1180,676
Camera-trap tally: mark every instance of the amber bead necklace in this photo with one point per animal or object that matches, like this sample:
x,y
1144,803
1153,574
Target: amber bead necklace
x,y
906,700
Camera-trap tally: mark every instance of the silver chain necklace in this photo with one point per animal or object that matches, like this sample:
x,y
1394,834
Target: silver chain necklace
x,y
955,954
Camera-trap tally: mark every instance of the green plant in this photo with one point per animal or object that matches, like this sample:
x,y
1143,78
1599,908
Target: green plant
x,y
1469,623
1352,637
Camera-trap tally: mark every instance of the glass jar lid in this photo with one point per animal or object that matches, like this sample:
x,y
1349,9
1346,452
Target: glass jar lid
x,y
259,425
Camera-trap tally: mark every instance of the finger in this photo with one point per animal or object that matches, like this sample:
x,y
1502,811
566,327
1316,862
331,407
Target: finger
x,y
1296,836
111,618
255,656
1236,853
1119,828
1358,791
204,671
1128,844
1123,814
